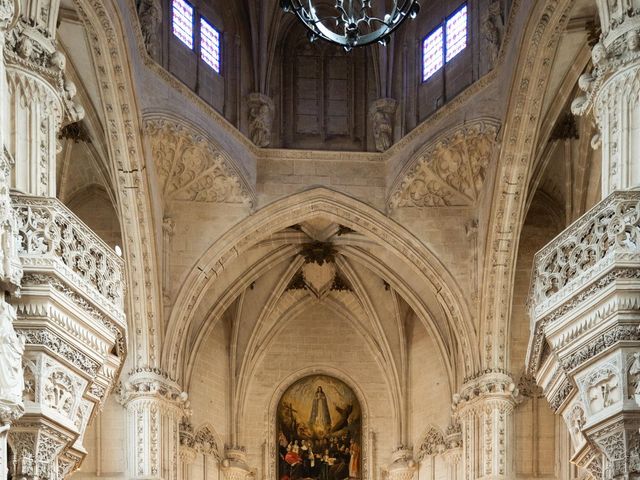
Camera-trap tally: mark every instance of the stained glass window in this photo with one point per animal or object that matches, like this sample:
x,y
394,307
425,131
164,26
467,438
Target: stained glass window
x,y
210,45
456,33
182,22
432,53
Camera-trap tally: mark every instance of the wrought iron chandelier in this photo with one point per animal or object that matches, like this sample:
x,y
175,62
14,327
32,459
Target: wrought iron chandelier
x,y
352,23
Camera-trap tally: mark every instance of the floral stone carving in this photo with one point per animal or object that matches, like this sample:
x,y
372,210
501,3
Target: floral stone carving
x,y
191,168
449,171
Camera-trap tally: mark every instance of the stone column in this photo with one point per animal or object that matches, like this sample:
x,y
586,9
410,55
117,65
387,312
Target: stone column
x,y
155,406
453,451
261,111
187,451
484,409
41,97
383,113
584,308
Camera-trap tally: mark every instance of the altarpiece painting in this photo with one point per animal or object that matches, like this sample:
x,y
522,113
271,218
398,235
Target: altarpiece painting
x,y
319,431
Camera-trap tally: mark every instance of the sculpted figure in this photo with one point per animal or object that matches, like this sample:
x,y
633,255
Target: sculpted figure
x,y
492,28
260,119
382,112
11,351
150,15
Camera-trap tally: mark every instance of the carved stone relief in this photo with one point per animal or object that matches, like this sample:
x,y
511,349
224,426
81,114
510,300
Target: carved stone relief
x,y
191,168
601,388
150,15
261,111
382,113
451,171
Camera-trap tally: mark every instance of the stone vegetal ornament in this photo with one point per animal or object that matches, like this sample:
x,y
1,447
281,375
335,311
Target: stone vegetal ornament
x,y
261,111
449,171
70,314
150,16
382,113
191,168
611,86
584,307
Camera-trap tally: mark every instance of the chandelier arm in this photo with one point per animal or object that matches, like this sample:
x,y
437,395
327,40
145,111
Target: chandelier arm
x,y
352,23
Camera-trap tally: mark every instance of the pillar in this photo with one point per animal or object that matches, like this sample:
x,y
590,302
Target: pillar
x,y
585,345
484,409
155,407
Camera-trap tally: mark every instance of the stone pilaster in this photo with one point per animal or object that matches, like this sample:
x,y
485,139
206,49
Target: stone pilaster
x,y
484,410
155,407
40,97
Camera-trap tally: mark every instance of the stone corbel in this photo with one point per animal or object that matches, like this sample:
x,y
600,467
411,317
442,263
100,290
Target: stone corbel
x,y
403,466
234,465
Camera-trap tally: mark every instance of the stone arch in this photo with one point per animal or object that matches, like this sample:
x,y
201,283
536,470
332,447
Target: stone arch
x,y
400,246
514,170
109,54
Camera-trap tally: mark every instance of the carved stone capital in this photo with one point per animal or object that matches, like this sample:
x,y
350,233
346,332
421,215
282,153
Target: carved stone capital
x,y
261,112
153,386
9,10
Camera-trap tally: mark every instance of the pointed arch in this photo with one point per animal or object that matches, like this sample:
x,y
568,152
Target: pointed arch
x,y
432,286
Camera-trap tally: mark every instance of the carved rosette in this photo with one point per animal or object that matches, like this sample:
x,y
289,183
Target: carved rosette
x,y
191,168
449,171
382,113
156,407
611,89
585,347
484,409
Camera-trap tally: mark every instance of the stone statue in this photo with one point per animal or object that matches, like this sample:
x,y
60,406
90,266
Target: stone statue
x,y
150,15
492,28
382,113
11,351
260,119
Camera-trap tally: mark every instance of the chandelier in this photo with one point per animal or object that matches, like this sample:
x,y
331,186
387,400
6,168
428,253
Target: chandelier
x,y
352,23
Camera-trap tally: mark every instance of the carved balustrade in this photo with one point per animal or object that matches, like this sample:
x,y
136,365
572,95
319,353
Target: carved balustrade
x,y
70,312
585,347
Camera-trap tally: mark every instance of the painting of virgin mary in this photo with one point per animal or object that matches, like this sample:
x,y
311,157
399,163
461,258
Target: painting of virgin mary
x,y
319,431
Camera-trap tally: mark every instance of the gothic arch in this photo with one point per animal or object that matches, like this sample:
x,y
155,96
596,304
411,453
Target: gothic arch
x,y
515,166
109,54
400,246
